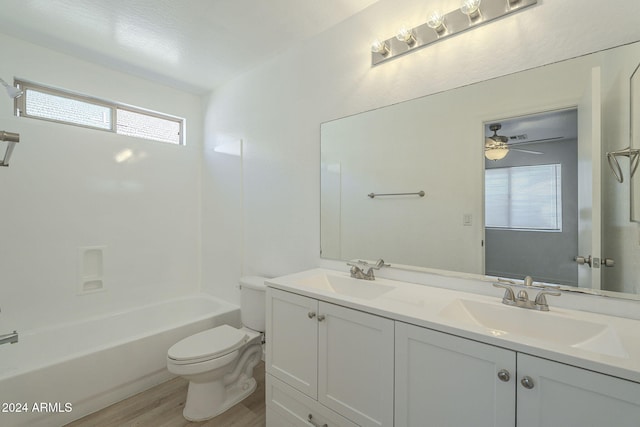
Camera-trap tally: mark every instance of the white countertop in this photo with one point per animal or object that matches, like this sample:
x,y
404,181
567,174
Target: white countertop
x,y
427,306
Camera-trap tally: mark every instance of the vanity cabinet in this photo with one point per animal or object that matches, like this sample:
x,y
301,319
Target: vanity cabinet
x,y
567,396
444,380
447,381
292,340
338,358
287,407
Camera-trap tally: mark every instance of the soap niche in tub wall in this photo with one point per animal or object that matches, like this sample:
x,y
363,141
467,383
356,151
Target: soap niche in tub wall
x,y
91,269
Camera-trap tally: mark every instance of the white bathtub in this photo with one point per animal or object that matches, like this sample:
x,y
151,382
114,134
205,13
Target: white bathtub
x,y
57,374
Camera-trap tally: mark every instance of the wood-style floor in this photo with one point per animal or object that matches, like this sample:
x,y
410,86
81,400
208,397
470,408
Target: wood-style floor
x,y
162,406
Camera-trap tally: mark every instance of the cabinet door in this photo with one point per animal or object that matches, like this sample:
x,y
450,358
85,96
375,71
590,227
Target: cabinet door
x,y
446,381
355,373
292,340
563,395
287,407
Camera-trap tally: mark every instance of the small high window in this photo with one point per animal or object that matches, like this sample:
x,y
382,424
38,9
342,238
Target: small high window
x,y
45,103
524,198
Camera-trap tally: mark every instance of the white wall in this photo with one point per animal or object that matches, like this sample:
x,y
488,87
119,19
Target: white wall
x,y
277,109
64,189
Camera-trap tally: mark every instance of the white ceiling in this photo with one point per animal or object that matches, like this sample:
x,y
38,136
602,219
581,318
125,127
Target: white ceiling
x,y
195,45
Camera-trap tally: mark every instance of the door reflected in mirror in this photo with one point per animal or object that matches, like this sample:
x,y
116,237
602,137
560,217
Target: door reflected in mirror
x,y
531,198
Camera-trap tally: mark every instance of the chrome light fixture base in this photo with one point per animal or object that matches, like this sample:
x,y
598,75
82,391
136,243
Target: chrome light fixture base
x,y
454,22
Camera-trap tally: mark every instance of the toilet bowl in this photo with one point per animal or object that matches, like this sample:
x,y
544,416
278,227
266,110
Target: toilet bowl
x,y
219,362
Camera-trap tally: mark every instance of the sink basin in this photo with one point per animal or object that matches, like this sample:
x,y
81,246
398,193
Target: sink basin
x,y
347,286
542,326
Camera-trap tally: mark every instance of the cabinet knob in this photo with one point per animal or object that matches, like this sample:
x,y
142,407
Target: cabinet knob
x,y
320,317
311,314
504,375
527,382
315,424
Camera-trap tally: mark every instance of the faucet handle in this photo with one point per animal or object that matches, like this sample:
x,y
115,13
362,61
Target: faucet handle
x,y
523,295
357,263
509,297
380,263
356,266
355,270
541,300
362,264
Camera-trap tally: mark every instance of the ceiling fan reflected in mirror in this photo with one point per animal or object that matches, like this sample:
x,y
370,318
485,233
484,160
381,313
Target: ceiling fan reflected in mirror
x,y
496,146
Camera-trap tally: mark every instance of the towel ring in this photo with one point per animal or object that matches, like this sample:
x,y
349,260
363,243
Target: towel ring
x,y
632,153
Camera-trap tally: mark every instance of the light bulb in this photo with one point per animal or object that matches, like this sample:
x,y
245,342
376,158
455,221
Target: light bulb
x,y
435,20
380,47
405,35
471,8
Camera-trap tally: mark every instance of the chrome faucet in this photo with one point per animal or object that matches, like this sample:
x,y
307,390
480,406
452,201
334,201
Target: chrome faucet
x,y
358,267
522,299
11,338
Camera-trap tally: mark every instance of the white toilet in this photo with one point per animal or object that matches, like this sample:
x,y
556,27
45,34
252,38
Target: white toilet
x,y
219,362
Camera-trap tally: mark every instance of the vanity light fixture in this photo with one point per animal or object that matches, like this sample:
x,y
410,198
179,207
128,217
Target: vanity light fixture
x,y
435,21
495,151
471,8
406,35
440,26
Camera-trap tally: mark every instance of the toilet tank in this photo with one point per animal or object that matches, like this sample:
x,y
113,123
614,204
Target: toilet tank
x,y
252,302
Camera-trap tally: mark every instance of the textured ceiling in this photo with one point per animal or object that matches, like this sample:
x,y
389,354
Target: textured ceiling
x,y
195,45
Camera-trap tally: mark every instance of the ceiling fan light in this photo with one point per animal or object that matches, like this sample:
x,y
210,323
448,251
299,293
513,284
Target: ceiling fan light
x,y
496,152
495,146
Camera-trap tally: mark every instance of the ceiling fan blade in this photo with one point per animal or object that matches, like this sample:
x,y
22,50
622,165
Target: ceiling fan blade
x,y
525,151
513,142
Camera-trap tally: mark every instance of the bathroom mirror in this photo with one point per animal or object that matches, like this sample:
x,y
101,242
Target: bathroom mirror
x,y
634,131
375,164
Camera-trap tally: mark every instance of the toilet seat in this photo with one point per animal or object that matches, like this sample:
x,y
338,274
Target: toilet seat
x,y
207,345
